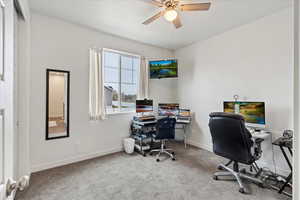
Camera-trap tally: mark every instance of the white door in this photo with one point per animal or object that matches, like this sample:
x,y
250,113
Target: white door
x,y
6,99
8,187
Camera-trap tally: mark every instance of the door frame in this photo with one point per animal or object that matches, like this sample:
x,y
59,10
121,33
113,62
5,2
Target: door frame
x,y
8,98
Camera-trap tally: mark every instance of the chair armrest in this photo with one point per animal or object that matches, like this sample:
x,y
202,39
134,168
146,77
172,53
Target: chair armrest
x,y
258,140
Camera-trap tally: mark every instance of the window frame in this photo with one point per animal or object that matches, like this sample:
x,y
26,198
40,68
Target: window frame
x,y
120,53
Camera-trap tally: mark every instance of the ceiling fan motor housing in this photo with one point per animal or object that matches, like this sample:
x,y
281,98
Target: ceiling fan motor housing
x,y
171,4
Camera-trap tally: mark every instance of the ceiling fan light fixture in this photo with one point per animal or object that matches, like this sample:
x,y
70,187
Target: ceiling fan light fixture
x,y
170,15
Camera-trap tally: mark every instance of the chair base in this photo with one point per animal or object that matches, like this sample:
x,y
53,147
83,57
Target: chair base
x,y
163,150
238,175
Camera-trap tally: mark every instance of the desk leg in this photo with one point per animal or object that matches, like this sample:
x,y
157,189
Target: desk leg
x,y
286,158
290,165
288,179
290,150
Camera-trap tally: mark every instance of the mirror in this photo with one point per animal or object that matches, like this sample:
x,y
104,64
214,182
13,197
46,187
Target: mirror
x,y
57,104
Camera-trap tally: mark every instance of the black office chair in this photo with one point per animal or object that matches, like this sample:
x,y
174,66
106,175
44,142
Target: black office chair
x,y
165,130
233,141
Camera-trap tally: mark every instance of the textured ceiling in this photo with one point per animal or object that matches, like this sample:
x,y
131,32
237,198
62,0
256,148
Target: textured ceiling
x,y
124,18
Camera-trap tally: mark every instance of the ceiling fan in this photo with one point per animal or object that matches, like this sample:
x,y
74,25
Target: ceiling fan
x,y
171,9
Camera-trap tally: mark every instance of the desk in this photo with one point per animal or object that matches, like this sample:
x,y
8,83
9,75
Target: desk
x,y
260,135
284,143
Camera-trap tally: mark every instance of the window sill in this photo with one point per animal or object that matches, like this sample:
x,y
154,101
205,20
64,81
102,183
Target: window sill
x,y
120,113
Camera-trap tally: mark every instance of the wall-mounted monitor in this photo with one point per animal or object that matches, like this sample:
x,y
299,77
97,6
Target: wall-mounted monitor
x,y
253,112
145,105
163,69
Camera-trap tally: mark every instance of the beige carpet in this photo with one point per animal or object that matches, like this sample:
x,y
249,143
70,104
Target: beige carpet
x,y
134,177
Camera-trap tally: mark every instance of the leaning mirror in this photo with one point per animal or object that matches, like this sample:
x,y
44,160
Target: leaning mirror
x,y
57,104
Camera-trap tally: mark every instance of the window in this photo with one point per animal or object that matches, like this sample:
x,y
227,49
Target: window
x,y
120,81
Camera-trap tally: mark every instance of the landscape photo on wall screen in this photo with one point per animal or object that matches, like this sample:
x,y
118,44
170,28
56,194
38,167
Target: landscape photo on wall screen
x,y
163,69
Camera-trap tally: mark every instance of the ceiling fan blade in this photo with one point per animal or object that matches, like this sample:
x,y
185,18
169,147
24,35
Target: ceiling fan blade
x,y
155,17
194,6
155,2
177,22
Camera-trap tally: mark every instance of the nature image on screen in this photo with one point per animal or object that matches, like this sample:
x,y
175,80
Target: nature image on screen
x,y
253,112
229,107
163,69
168,109
144,106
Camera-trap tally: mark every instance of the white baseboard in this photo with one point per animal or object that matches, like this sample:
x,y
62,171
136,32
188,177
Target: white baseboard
x,y
200,145
82,157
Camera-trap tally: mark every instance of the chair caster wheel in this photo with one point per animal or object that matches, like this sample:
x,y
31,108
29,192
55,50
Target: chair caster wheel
x,y
215,177
173,159
150,154
173,153
220,168
242,190
157,160
144,155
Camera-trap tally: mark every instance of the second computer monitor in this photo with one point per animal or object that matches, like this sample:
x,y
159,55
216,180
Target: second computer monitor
x,y
145,105
168,109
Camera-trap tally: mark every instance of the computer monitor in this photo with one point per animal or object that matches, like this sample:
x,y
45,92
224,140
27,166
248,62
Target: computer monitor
x,y
145,105
253,112
168,109
184,113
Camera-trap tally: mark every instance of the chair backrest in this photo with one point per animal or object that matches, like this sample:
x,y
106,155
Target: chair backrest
x,y
165,128
230,137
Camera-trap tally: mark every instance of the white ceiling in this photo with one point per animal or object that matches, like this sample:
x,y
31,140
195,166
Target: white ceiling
x,y
124,18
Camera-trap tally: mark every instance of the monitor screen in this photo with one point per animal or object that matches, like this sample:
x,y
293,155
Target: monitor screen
x,y
163,69
144,106
253,112
168,109
184,113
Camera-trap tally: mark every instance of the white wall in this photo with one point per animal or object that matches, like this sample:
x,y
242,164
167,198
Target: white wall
x,y
163,91
254,61
58,44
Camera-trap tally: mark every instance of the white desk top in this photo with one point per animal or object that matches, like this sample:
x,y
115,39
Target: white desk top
x,y
263,135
